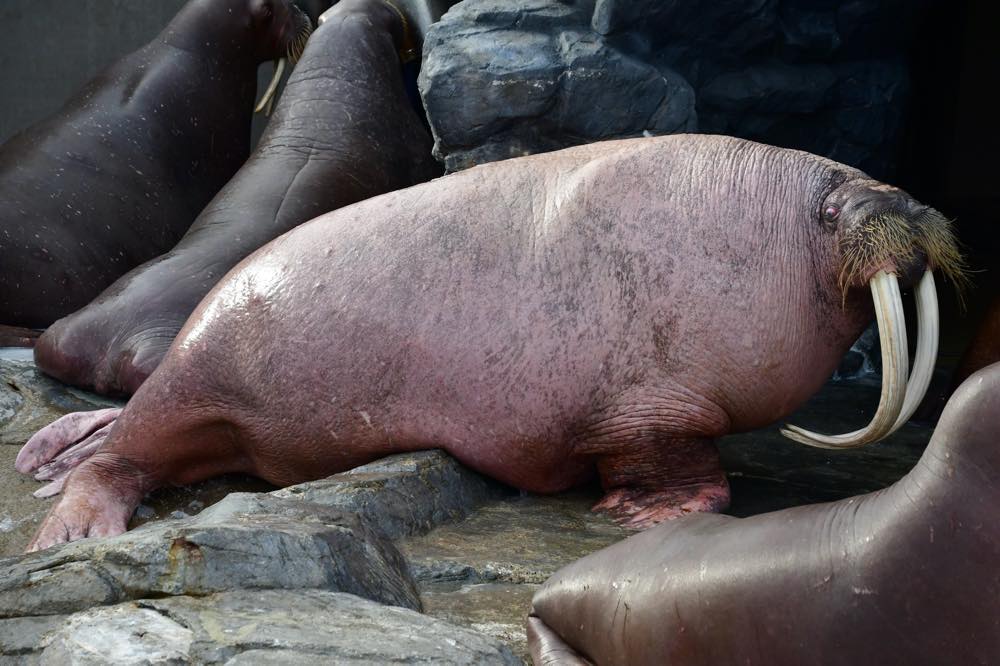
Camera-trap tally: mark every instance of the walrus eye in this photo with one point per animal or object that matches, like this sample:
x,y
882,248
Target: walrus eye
x,y
266,12
831,213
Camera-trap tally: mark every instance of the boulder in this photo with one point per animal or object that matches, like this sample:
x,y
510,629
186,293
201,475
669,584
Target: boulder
x,y
502,80
264,627
404,494
246,541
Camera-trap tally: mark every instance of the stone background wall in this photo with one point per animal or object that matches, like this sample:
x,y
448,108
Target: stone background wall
x,y
504,78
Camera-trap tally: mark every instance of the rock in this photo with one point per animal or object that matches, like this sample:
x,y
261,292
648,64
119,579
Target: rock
x,y
30,401
504,79
120,635
244,542
265,627
403,494
733,26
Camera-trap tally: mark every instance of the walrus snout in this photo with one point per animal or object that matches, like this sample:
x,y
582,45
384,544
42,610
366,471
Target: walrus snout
x,y
887,239
295,29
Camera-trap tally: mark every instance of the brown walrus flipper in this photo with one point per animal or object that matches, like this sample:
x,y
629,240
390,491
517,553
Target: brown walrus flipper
x,y
906,575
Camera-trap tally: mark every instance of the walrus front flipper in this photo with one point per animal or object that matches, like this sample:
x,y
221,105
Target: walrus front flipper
x,y
55,450
860,581
548,649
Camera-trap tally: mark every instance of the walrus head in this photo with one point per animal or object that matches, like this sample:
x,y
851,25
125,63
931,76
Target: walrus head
x,y
884,236
285,29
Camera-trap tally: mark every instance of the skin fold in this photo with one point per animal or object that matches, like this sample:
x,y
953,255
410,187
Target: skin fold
x,y
606,310
342,132
116,177
906,575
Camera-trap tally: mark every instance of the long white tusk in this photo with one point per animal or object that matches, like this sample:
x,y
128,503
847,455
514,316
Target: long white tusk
x,y
928,332
895,365
265,101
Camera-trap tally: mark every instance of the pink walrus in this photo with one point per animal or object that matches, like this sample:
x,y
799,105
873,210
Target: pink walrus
x,y
606,310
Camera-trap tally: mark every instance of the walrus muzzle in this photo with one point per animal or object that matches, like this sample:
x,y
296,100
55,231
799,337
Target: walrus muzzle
x,y
898,241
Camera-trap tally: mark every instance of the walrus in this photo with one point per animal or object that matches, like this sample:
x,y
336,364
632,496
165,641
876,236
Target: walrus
x,y
342,132
122,170
606,310
906,575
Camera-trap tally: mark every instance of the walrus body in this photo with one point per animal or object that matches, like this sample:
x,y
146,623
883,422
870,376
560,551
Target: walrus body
x,y
118,175
343,131
906,575
603,310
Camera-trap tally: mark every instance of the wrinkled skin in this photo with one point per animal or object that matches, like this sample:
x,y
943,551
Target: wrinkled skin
x,y
906,575
343,131
118,175
604,310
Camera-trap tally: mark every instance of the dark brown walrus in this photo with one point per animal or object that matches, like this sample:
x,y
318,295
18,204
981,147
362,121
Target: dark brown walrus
x,y
343,131
605,310
116,177
907,575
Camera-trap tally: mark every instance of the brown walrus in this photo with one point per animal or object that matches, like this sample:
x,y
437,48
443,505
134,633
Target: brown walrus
x,y
604,310
343,131
120,172
906,575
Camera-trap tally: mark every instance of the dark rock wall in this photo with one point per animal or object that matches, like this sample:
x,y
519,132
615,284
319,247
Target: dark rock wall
x,y
504,78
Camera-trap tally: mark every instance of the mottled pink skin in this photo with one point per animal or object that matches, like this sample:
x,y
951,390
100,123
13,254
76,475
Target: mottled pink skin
x,y
596,309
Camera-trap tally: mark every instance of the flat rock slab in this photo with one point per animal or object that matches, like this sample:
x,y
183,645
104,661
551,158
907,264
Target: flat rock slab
x,y
261,627
245,542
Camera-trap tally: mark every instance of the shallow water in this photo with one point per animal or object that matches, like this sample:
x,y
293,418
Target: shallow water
x,y
17,353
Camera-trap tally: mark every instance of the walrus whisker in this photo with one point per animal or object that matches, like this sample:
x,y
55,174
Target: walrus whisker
x,y
892,333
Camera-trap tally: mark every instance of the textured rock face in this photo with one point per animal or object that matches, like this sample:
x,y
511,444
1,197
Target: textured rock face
x,y
30,401
502,79
404,494
264,627
246,541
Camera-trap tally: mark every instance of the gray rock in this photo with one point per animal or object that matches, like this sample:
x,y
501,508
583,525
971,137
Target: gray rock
x,y
504,79
404,494
522,539
737,26
265,627
30,401
244,542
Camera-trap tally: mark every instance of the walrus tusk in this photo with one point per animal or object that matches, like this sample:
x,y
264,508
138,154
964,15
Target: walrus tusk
x,y
895,366
265,101
928,332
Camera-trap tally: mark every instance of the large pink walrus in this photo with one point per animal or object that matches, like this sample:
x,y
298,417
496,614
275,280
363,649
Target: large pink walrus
x,y
609,309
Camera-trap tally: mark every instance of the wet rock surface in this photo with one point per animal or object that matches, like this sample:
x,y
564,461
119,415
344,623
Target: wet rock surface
x,y
416,530
262,627
30,400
